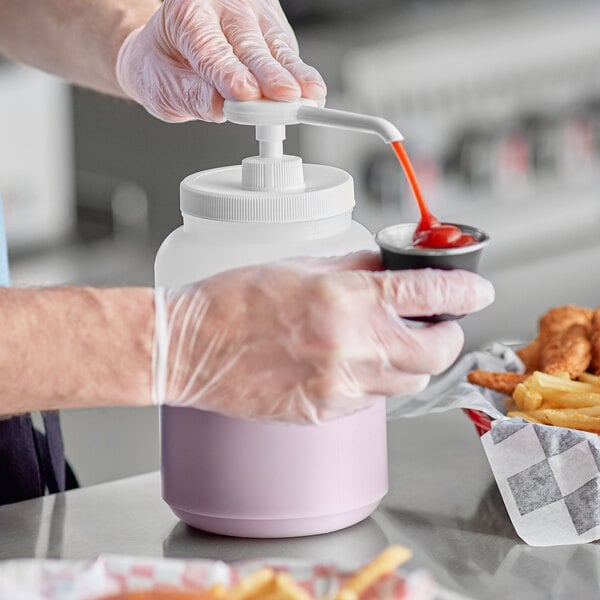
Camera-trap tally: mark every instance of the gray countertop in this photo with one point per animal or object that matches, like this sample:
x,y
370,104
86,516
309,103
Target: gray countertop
x,y
443,503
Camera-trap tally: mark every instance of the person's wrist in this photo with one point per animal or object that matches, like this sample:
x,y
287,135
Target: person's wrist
x,y
138,386
135,16
121,70
125,375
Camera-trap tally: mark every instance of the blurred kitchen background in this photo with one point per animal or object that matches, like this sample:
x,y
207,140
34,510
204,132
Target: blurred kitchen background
x,y
500,106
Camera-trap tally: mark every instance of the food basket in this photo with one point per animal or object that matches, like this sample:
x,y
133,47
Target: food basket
x,y
548,476
482,422
117,577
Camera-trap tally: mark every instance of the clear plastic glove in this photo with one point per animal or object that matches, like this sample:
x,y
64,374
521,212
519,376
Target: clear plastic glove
x,y
307,340
193,54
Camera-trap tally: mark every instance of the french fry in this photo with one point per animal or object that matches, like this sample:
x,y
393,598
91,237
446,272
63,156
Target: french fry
x,y
346,595
544,381
270,594
590,411
535,416
557,399
574,419
595,340
582,390
253,584
589,378
383,564
562,375
218,590
289,589
541,390
510,405
526,397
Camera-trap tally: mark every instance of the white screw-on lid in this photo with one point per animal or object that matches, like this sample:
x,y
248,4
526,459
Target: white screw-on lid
x,y
219,194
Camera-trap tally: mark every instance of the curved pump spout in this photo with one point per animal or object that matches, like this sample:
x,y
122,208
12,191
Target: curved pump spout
x,y
270,119
328,117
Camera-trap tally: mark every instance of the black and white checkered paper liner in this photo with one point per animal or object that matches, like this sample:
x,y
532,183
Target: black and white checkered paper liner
x,y
549,477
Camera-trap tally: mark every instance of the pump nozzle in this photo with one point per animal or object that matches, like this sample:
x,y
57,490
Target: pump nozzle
x,y
327,117
268,117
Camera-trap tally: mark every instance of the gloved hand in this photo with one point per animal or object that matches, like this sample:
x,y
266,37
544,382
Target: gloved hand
x,y
307,340
192,54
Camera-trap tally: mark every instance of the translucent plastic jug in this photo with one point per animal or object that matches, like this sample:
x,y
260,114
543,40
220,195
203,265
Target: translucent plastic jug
x,y
250,479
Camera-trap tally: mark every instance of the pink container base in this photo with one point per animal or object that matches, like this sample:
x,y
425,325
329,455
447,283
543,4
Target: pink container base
x,y
276,528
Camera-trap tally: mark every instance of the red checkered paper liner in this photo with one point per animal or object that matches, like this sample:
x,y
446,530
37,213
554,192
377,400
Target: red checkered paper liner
x,y
31,579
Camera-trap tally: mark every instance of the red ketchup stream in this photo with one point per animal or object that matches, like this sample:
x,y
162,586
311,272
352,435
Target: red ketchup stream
x,y
430,233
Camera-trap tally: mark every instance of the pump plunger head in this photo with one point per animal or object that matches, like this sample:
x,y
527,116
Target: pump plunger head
x,y
270,119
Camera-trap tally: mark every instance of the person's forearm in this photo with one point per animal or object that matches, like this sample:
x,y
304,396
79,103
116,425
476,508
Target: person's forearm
x,y
76,39
75,347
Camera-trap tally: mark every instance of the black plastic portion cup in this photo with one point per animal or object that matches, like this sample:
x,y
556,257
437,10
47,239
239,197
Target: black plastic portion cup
x,y
398,253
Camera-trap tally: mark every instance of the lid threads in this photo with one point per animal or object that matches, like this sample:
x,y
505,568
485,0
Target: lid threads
x,y
218,194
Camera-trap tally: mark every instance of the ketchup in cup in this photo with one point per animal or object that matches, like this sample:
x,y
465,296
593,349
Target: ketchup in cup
x,y
430,233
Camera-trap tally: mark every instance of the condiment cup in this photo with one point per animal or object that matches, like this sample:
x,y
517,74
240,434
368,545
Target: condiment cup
x,y
399,253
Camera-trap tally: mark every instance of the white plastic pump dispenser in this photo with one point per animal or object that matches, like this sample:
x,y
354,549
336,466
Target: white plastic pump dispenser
x,y
252,479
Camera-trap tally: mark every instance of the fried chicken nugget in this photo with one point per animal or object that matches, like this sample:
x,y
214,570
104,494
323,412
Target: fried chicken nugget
x,y
557,320
503,382
595,340
565,339
530,355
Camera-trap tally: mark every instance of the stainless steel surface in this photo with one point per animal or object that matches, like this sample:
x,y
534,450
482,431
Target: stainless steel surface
x,y
443,503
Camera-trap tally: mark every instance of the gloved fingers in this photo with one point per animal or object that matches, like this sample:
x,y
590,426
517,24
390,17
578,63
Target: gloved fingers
x,y
196,34
310,80
246,38
168,89
426,292
325,403
427,349
203,102
271,16
203,44
183,96
391,382
377,376
340,407
363,260
282,44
